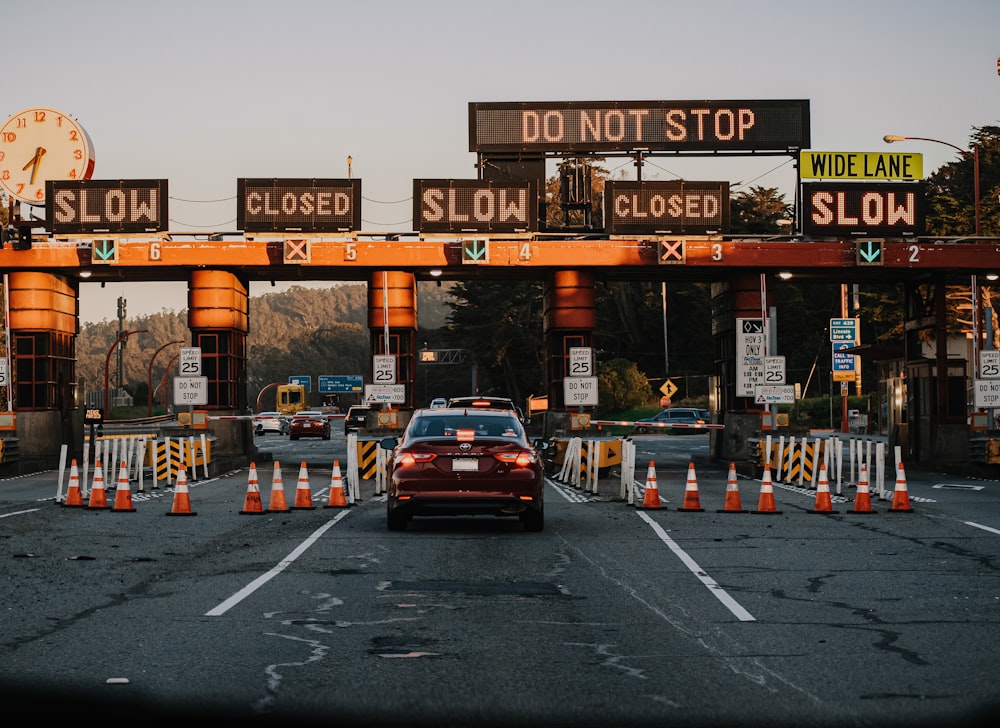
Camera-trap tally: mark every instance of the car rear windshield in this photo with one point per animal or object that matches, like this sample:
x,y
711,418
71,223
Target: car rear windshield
x,y
450,425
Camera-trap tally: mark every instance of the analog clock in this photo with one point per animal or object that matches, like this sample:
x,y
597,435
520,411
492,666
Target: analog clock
x,y
41,144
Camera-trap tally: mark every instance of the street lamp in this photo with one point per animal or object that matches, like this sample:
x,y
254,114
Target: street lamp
x,y
974,156
149,374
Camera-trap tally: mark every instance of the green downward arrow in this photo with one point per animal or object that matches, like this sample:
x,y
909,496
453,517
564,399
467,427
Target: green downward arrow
x,y
475,250
104,249
872,253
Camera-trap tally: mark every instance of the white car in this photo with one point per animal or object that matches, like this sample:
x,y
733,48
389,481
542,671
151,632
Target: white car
x,y
439,403
270,422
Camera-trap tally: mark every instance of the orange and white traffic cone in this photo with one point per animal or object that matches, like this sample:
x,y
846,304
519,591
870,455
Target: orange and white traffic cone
x,y
732,502
73,497
182,499
824,503
900,495
651,495
765,502
692,502
303,496
123,494
251,502
277,503
98,496
337,498
862,498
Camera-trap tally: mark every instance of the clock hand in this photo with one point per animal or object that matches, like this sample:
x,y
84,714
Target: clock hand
x,y
33,163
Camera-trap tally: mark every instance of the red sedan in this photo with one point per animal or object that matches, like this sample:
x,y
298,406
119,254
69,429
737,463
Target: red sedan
x,y
309,424
464,462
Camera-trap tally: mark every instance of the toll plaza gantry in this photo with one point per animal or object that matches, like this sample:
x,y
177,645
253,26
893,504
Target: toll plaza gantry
x,y
493,228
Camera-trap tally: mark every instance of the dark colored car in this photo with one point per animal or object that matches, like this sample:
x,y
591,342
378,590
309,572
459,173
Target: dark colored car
x,y
663,421
485,402
452,462
356,418
309,424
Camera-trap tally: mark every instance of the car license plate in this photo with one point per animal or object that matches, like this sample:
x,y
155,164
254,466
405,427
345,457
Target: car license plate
x,y
465,464
306,425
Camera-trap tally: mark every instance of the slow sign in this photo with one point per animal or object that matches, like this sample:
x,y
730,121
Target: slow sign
x,y
101,206
455,205
863,208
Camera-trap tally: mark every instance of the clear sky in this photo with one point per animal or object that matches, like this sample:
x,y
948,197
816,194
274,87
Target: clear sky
x,y
202,93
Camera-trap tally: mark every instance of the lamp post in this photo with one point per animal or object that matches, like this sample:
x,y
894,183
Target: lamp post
x,y
107,362
149,373
974,292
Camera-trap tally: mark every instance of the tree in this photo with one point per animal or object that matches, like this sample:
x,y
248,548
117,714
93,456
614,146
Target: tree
x,y
760,211
622,386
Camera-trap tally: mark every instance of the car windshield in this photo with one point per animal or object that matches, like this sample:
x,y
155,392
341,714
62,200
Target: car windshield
x,y
472,423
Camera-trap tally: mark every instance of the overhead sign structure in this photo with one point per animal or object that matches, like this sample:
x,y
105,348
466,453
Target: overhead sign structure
x,y
884,209
106,206
861,165
338,383
298,205
676,207
190,390
385,393
750,345
775,126
463,205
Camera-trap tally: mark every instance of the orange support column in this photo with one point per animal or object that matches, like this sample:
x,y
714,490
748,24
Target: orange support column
x,y
219,321
392,312
569,317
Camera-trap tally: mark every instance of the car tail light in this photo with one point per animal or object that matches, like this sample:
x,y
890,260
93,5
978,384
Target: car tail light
x,y
521,459
412,458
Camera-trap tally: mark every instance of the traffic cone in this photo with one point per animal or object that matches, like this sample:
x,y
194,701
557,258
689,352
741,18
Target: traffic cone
x,y
651,495
182,499
765,502
123,494
900,495
303,496
692,502
73,497
251,503
732,502
862,498
277,503
98,496
824,504
337,499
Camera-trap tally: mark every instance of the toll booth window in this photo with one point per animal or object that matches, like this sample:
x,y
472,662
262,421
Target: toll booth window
x,y
43,365
223,363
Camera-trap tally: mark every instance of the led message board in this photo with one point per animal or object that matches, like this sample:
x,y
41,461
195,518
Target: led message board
x,y
678,207
459,205
299,205
883,209
625,126
106,206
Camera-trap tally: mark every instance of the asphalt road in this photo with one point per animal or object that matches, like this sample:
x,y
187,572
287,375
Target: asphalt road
x,y
613,615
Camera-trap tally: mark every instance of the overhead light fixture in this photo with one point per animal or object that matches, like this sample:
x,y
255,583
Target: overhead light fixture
x,y
991,276
784,275
435,272
85,274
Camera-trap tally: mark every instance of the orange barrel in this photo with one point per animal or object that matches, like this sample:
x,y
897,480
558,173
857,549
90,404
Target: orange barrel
x,y
569,301
392,294
41,302
217,300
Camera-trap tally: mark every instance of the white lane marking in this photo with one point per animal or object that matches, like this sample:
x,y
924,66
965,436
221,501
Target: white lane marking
x,y
731,604
18,513
266,577
979,525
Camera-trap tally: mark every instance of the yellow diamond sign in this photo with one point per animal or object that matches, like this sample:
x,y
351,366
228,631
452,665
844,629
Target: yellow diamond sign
x,y
669,389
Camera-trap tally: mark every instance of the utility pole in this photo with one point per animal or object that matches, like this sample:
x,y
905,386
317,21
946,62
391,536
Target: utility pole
x,y
121,349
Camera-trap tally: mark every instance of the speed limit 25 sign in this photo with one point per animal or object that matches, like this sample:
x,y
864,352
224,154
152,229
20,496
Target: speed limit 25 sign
x,y
190,361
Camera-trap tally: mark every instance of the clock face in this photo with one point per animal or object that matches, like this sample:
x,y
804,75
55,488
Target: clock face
x,y
41,144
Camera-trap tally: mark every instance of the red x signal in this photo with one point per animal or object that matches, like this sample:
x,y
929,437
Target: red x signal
x,y
672,251
296,251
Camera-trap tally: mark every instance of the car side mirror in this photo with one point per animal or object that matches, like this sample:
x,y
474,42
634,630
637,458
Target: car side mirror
x,y
388,443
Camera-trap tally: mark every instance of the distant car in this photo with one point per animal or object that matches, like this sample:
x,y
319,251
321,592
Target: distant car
x,y
663,421
309,424
486,402
439,403
356,418
464,462
270,422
